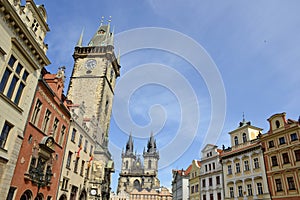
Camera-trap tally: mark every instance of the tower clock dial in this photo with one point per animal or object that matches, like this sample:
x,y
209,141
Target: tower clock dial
x,y
90,64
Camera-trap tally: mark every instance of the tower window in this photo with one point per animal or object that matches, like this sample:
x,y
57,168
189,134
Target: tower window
x,y
236,140
149,164
244,138
36,111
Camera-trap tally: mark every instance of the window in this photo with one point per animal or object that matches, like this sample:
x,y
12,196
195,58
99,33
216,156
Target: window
x,y
197,188
277,123
256,163
85,145
282,140
91,150
204,197
231,193
40,164
62,135
126,164
192,189
237,167
291,183
249,189
149,164
294,137
218,180
17,83
209,167
244,138
76,164
297,154
73,136
69,160
46,120
229,169
82,167
246,164
214,166
219,196
55,125
36,111
203,182
259,188
278,185
236,140
206,168
271,144
211,196
4,133
11,192
240,190
274,161
80,141
285,158
210,181
65,184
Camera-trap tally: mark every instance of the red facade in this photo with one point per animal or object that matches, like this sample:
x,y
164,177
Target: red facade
x,y
40,159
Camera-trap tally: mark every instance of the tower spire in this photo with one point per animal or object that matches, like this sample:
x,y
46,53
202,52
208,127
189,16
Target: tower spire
x,y
79,43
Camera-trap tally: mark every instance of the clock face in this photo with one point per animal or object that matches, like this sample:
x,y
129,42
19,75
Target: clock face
x,y
90,64
93,191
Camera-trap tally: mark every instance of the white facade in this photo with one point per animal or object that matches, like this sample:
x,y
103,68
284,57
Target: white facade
x,y
211,178
180,185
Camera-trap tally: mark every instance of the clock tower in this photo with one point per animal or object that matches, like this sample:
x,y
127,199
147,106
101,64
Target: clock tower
x,y
93,79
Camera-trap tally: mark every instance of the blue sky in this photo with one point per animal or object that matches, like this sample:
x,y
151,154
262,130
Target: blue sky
x,y
254,46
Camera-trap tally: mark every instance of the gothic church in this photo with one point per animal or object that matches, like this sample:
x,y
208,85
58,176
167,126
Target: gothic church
x,y
137,173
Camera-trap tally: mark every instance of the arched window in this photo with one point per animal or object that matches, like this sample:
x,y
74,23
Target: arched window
x,y
244,138
236,140
136,184
149,164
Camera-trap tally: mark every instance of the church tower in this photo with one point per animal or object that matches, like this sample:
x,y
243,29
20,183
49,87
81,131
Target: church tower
x,y
93,79
137,173
151,157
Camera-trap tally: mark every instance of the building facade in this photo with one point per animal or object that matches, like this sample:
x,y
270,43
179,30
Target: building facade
x,y
92,82
194,180
282,157
22,56
155,194
40,158
180,184
211,174
243,165
137,173
78,169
